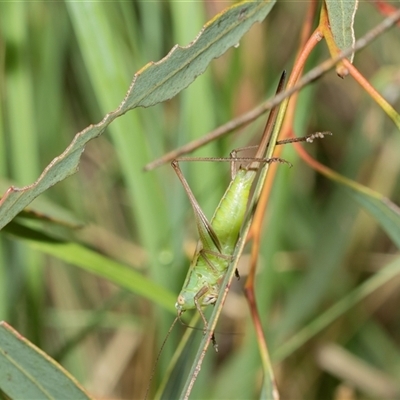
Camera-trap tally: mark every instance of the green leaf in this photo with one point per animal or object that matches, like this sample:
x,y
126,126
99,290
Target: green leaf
x,y
341,19
26,372
183,64
154,83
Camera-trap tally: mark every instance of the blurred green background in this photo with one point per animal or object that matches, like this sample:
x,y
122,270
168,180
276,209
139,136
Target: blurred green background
x,y
63,66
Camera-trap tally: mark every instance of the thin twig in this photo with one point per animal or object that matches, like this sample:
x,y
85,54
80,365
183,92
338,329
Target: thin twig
x,y
267,105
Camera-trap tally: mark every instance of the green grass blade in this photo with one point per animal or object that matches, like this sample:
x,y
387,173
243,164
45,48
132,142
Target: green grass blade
x,y
89,260
384,211
384,276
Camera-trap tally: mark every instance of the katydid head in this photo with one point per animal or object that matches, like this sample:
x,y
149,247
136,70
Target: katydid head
x,y
185,301
191,299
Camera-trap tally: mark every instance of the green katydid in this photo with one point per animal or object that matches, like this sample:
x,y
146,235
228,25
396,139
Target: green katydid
x,y
218,238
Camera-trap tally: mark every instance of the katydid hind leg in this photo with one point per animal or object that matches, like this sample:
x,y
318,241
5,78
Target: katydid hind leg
x,y
204,252
206,232
308,138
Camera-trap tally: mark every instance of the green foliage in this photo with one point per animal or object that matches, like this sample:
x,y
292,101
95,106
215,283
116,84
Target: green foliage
x,y
328,271
154,83
28,373
341,19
